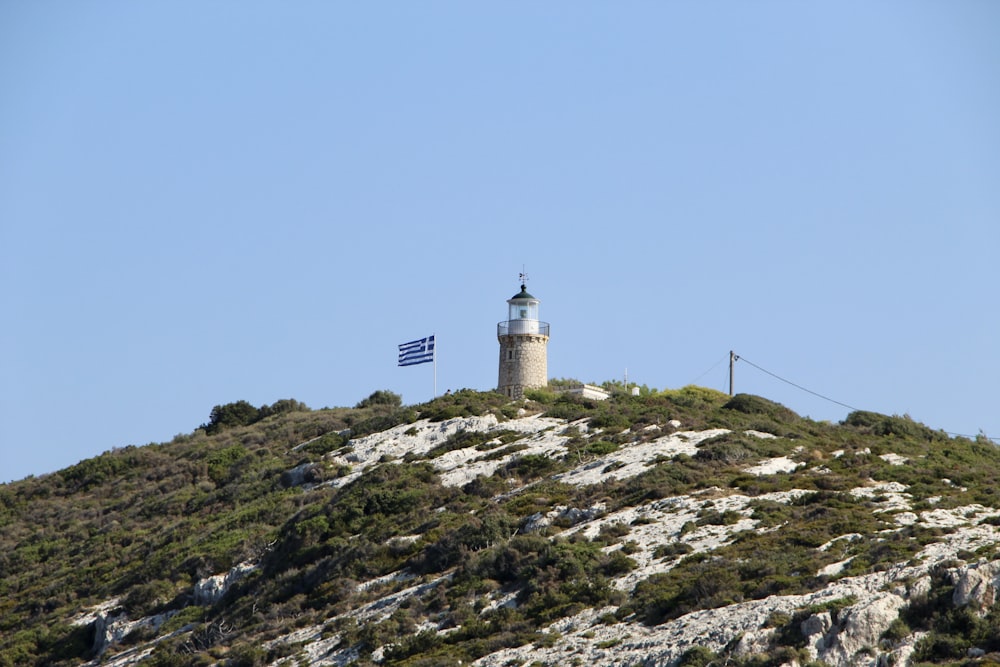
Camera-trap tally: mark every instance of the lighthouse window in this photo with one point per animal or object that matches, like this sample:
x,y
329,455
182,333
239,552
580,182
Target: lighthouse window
x,y
510,355
524,313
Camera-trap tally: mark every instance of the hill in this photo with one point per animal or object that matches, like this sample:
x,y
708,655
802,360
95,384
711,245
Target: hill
x,y
673,528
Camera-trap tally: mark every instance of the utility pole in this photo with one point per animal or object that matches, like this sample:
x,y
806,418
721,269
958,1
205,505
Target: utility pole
x,y
732,361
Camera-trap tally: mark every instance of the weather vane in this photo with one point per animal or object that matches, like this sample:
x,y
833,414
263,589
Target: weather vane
x,y
523,276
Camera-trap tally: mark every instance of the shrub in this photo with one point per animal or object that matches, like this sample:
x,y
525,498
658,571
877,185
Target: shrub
x,y
462,403
611,533
240,413
725,451
757,405
611,421
92,472
476,534
883,425
717,518
144,599
599,448
543,396
617,563
382,397
697,656
531,466
672,550
221,462
281,406
702,584
693,396
324,444
897,631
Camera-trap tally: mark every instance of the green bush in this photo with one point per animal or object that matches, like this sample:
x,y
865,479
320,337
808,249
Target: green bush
x,y
672,550
477,533
757,405
599,448
897,631
696,397
325,444
697,656
725,451
616,564
89,473
610,533
240,413
221,462
883,425
146,599
532,466
463,403
382,397
246,654
280,407
702,584
711,517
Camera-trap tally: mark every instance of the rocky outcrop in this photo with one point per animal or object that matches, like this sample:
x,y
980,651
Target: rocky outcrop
x,y
852,639
307,473
112,626
566,515
210,590
976,585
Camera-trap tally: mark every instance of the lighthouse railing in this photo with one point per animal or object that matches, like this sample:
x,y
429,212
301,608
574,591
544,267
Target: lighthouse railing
x,y
518,327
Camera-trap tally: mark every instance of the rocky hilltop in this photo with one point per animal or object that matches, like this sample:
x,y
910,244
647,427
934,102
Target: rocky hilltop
x,y
673,528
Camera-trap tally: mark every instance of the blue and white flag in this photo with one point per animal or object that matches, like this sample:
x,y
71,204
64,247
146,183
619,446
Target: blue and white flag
x,y
417,351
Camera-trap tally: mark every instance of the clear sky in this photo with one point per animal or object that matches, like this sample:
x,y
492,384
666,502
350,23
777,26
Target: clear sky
x,y
205,202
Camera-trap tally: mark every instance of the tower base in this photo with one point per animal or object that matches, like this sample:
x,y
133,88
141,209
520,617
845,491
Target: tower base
x,y
523,364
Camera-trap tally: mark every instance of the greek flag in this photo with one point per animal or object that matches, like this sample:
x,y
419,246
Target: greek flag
x,y
416,351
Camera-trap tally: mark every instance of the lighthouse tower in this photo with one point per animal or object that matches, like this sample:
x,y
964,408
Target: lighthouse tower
x,y
523,344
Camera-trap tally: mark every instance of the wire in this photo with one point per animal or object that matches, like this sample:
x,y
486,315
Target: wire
x,y
737,357
808,391
714,366
972,437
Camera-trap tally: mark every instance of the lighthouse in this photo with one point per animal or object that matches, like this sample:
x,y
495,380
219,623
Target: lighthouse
x,y
523,344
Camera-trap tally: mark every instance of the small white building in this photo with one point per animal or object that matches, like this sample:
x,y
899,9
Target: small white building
x,y
589,391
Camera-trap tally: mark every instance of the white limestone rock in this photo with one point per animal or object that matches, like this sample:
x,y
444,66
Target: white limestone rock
x,y
110,627
210,590
307,473
858,629
976,585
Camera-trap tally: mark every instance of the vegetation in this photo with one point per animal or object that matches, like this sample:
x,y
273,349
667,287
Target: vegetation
x,y
141,526
241,413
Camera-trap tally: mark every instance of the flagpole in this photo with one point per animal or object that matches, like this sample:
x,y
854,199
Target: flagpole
x,y
435,366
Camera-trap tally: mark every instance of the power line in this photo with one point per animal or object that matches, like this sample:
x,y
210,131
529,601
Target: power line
x,y
714,366
995,441
845,405
808,391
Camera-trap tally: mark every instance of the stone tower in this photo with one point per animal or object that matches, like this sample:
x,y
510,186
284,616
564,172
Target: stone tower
x,y
523,344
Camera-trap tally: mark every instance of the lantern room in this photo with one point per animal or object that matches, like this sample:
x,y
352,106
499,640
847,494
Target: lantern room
x,y
522,316
523,306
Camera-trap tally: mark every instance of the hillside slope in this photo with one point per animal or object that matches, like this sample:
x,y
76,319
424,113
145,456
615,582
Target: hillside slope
x,y
677,527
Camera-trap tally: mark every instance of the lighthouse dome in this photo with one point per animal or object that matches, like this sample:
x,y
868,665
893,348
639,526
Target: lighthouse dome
x,y
523,294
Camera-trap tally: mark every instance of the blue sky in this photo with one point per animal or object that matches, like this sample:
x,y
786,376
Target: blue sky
x,y
209,202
